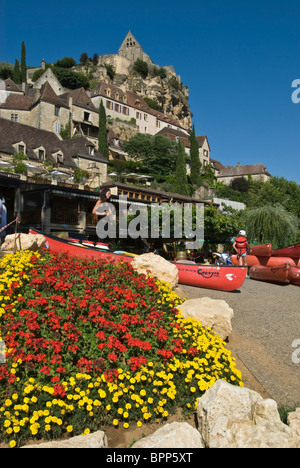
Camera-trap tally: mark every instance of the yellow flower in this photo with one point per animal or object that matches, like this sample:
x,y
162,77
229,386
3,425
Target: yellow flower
x,y
70,428
12,443
115,422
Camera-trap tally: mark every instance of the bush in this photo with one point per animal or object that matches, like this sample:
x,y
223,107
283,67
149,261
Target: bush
x,y
141,67
91,344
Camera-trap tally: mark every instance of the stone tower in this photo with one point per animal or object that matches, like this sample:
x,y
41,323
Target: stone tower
x,y
132,50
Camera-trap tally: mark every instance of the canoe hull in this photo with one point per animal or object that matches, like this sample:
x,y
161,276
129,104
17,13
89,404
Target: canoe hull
x,y
292,251
279,274
267,261
207,276
264,250
294,276
222,278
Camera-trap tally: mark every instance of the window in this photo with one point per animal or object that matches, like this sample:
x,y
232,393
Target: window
x,y
109,105
157,123
59,158
41,155
21,148
86,116
138,115
56,110
125,111
117,108
14,117
146,117
57,127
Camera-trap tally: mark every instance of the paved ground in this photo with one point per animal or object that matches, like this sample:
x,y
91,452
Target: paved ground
x,y
265,325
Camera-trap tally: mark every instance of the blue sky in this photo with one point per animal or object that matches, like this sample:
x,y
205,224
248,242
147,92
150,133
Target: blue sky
x,y
238,59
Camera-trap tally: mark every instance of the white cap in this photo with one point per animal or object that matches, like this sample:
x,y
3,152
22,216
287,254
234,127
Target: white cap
x,y
243,233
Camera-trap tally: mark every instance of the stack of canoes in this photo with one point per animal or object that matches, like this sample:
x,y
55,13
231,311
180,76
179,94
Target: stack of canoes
x,y
274,265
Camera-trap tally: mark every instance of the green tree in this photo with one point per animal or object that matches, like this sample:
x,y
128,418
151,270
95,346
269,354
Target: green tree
x,y
70,79
102,135
271,224
84,58
23,64
6,70
195,159
181,183
17,72
156,153
65,132
141,68
66,62
18,162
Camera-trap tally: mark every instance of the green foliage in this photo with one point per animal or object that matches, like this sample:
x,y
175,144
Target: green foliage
x,y
157,153
181,183
195,160
17,72
271,224
66,62
70,79
18,162
160,72
102,136
241,184
141,68
110,70
79,175
218,227
152,104
23,64
6,70
65,132
84,58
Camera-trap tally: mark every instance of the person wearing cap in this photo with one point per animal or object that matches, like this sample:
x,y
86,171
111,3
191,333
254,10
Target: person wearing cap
x,y
241,247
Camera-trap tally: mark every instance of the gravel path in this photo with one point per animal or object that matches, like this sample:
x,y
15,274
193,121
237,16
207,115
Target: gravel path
x,y
265,325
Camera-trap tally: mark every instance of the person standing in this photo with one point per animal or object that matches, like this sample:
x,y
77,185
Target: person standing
x,y
3,218
241,247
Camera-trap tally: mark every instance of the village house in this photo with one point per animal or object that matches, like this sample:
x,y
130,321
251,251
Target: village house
x,y
258,172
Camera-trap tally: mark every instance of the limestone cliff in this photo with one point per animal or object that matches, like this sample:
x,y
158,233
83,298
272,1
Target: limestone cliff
x,y
169,93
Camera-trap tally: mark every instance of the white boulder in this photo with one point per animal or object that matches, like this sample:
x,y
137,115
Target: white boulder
x,y
213,313
158,267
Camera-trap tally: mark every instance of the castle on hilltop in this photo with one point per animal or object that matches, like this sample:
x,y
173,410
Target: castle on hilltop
x,y
129,52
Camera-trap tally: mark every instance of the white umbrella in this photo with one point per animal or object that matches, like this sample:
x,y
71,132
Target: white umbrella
x,y
60,175
5,165
32,168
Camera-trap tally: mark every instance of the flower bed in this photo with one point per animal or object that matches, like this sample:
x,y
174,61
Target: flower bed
x,y
89,345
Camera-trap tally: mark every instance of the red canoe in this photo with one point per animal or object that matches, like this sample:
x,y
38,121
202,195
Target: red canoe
x,y
267,261
264,250
222,278
279,274
294,276
292,251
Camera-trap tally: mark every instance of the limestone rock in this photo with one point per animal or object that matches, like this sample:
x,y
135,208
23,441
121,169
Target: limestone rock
x,y
176,435
212,313
159,268
294,421
94,440
23,242
236,417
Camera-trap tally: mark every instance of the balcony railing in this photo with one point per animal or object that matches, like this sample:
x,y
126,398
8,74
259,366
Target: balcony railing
x,y
64,217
